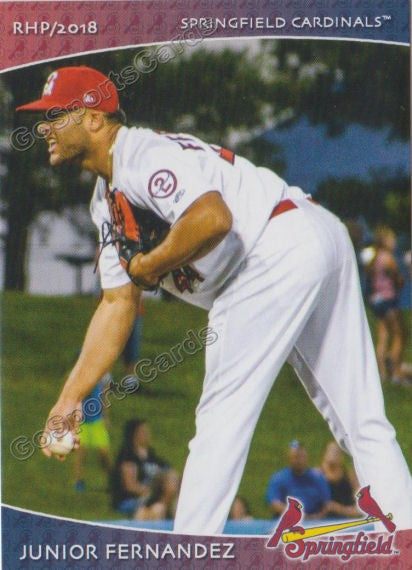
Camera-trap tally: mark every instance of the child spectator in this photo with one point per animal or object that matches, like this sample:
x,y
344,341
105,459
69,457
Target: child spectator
x,y
384,283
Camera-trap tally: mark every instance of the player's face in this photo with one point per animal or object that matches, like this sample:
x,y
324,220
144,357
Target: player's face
x,y
65,136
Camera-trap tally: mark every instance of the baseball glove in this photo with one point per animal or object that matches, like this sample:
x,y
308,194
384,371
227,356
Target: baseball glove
x,y
132,230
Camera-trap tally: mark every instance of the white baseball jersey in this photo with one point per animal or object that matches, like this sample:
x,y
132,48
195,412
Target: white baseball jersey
x,y
166,173
282,289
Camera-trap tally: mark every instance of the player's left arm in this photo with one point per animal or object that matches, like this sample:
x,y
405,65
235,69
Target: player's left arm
x,y
199,229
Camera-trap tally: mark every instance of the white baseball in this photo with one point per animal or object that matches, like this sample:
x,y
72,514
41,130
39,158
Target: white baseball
x,y
60,445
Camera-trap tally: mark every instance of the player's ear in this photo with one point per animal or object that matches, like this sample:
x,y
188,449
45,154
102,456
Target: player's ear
x,y
94,120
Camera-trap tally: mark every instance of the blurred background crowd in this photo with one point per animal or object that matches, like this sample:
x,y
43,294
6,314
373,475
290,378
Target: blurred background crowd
x,y
144,486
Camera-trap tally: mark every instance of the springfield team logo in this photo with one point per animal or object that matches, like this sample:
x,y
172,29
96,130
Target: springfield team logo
x,y
298,543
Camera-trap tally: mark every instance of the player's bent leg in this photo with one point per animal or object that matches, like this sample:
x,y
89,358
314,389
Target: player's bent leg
x,y
339,371
225,422
257,321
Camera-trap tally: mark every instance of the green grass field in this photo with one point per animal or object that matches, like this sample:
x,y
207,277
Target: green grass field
x,y
41,336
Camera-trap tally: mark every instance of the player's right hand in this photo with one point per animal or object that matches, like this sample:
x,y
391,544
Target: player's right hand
x,y
141,278
63,417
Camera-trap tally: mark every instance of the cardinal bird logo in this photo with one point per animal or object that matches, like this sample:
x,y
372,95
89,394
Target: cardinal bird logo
x,y
298,542
369,506
289,519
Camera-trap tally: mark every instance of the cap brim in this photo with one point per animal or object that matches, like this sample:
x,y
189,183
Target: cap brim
x,y
42,105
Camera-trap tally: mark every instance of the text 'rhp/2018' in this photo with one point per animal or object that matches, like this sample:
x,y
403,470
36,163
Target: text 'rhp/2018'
x,y
45,28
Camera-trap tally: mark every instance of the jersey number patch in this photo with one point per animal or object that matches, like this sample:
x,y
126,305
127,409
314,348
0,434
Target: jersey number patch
x,y
162,184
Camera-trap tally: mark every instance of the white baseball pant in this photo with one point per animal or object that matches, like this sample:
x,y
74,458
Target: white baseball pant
x,y
298,298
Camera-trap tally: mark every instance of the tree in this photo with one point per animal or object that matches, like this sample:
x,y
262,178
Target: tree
x,y
384,199
226,97
338,83
164,99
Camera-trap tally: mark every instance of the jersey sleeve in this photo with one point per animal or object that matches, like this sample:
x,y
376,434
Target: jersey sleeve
x,y
111,271
172,180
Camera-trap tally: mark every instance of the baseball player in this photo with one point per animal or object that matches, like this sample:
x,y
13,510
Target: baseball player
x,y
276,272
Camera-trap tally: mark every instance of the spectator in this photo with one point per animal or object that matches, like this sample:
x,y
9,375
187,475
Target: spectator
x,y
299,481
384,283
136,466
342,481
239,510
161,503
93,433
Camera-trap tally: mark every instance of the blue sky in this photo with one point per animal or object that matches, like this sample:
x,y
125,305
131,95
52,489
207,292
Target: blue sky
x,y
311,155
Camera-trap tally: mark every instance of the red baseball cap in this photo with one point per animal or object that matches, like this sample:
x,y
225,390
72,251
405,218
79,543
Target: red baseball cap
x,y
76,87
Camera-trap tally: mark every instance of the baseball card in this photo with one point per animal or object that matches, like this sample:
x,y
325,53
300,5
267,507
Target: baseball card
x,y
206,275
